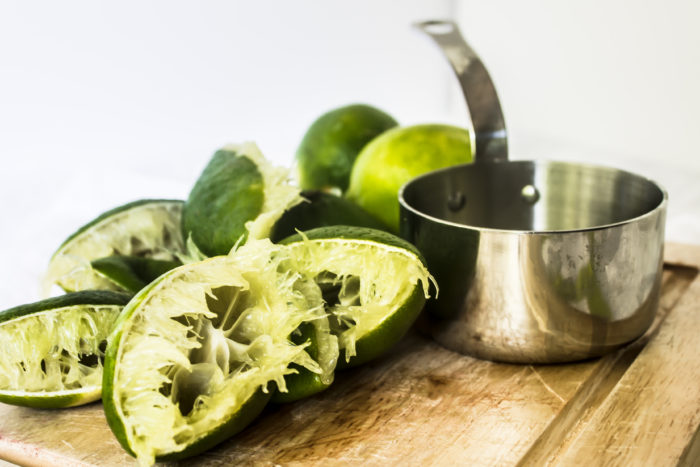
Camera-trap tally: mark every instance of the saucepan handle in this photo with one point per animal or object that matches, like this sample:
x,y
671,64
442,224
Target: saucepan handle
x,y
484,107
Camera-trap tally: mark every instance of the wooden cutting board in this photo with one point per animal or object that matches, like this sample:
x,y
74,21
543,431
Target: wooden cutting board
x,y
424,405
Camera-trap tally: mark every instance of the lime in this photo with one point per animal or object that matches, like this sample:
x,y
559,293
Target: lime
x,y
374,285
320,209
52,350
397,156
195,354
322,348
332,142
238,195
132,273
146,228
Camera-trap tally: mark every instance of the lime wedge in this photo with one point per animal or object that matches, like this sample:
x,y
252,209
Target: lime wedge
x,y
374,285
195,354
145,228
52,350
238,195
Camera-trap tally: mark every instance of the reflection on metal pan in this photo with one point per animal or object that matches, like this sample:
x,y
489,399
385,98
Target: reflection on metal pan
x,y
536,261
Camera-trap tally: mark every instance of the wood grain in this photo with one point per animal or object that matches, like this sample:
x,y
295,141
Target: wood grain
x,y
611,368
653,413
425,405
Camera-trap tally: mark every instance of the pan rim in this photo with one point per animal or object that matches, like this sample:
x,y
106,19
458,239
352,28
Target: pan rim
x,y
660,207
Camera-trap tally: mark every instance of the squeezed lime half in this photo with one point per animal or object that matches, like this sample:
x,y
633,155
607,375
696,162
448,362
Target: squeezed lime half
x,y
373,283
145,228
52,350
195,355
239,195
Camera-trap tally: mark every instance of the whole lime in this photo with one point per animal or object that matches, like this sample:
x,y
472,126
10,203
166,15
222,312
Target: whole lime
x,y
331,144
398,155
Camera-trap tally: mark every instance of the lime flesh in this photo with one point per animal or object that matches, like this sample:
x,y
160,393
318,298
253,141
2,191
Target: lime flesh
x,y
194,355
304,383
52,350
145,228
374,285
322,348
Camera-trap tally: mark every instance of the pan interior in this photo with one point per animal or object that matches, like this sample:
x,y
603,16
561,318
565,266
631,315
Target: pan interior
x,y
532,196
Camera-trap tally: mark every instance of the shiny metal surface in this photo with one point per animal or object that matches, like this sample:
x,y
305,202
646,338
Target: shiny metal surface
x,y
537,282
491,143
536,262
533,196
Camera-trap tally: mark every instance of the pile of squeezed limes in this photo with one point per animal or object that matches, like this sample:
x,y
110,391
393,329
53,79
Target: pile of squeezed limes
x,y
188,317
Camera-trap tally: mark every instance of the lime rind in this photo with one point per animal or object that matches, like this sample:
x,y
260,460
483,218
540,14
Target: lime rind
x,y
248,412
239,195
228,193
170,347
52,357
396,156
390,332
54,399
132,273
330,146
353,232
147,228
320,209
85,297
279,193
372,281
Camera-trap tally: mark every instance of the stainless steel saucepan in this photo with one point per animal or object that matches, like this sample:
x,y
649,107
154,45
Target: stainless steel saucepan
x,y
536,262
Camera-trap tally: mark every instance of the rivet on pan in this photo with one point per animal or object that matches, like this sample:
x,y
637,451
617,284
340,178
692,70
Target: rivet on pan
x,y
530,194
456,200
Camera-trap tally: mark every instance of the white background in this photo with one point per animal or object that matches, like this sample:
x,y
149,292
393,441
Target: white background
x,y
101,104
